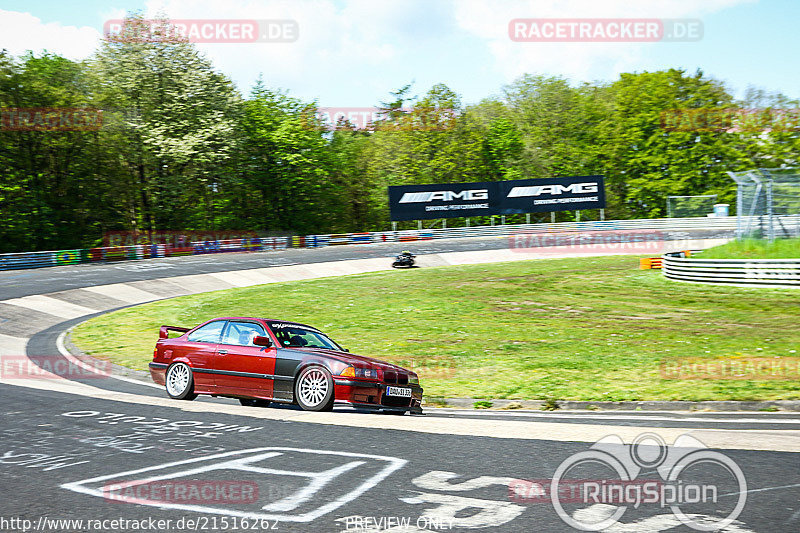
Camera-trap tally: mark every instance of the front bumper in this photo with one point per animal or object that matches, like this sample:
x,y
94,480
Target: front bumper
x,y
372,395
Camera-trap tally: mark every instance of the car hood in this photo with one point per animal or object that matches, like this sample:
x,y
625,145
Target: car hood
x,y
351,358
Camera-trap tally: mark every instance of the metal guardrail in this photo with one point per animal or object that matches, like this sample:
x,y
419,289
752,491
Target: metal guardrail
x,y
140,251
753,272
121,253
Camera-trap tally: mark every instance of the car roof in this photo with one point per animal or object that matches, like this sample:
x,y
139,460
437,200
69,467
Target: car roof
x,y
269,321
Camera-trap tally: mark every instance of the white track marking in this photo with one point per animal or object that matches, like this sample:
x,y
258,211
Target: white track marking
x,y
51,306
728,439
125,293
320,480
12,345
239,279
198,283
438,480
611,416
762,490
663,522
62,349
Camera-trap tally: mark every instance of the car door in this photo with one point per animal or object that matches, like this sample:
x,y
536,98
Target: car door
x,y
242,367
200,348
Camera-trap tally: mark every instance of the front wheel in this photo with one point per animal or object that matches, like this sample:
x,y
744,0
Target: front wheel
x,y
180,382
314,389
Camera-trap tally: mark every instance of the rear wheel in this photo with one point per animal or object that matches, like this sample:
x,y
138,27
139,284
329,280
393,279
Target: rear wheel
x,y
253,402
314,389
180,382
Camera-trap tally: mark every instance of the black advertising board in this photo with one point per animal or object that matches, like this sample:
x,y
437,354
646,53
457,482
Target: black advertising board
x,y
450,200
551,194
442,200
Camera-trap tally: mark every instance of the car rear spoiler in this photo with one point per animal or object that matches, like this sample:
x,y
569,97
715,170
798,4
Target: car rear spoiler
x,y
163,333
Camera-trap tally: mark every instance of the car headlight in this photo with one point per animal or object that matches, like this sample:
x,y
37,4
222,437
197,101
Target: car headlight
x,y
364,373
368,373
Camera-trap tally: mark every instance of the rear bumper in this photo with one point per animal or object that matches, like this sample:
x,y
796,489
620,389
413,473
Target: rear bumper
x,y
158,372
372,395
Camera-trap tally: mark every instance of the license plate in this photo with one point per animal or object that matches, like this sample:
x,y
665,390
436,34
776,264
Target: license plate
x,y
398,391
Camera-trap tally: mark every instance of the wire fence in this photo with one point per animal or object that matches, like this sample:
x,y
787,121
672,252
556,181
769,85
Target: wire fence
x,y
766,201
690,206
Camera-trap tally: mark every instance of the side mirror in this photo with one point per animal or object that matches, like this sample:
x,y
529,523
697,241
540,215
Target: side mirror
x,y
346,350
262,341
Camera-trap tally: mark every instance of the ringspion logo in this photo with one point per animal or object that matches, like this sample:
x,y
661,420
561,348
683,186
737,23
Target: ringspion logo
x,y
692,478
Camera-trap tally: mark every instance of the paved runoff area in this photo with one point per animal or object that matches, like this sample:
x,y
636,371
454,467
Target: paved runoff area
x,y
99,452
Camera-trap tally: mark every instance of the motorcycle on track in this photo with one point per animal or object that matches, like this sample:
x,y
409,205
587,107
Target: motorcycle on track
x,y
404,260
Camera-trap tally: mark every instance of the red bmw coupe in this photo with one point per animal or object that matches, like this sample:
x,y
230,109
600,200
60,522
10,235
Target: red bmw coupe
x,y
260,361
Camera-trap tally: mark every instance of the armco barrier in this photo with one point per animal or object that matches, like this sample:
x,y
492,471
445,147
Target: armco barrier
x,y
753,272
122,253
140,251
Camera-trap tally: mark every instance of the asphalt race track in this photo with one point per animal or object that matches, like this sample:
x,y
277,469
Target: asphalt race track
x,y
19,283
105,449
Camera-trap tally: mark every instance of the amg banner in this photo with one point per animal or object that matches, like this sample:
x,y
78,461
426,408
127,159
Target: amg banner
x,y
450,200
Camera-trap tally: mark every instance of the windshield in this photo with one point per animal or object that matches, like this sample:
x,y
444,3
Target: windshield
x,y
300,337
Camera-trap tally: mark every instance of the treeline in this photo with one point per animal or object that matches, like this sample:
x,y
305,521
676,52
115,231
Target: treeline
x,y
181,149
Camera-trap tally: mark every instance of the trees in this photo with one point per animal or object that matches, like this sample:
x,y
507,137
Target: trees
x,y
180,148
434,141
43,201
177,132
284,160
645,162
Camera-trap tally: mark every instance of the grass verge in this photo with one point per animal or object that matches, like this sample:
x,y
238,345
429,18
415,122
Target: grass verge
x,y
755,249
568,329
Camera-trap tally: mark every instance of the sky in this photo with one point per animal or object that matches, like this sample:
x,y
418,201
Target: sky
x,y
355,52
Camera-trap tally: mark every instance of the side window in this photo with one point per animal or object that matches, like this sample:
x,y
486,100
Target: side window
x,y
242,333
208,333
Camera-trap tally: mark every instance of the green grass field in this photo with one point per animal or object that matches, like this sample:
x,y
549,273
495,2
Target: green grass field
x,y
580,329
755,249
